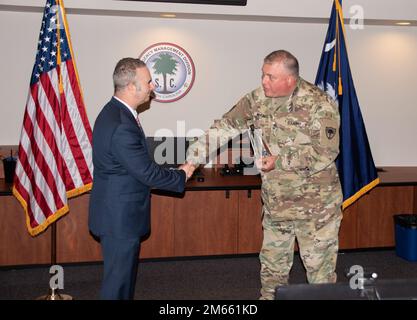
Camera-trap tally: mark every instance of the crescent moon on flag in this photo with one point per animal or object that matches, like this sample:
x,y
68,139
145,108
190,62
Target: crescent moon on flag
x,y
329,46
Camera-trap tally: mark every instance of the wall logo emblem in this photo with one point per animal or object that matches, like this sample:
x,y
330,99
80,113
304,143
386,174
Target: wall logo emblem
x,y
172,70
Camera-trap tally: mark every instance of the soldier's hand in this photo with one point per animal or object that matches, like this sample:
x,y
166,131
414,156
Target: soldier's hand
x,y
266,164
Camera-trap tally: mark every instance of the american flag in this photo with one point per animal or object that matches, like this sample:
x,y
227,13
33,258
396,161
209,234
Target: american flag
x,y
55,155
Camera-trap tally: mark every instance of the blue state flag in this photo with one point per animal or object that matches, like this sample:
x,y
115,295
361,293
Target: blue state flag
x,y
355,164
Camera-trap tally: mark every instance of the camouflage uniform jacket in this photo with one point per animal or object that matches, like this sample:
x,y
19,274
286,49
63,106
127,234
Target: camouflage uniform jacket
x,y
303,131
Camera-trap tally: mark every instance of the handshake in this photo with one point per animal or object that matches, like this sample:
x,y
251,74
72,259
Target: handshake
x,y
188,169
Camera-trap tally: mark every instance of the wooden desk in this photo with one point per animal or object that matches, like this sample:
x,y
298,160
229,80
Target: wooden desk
x,y
221,215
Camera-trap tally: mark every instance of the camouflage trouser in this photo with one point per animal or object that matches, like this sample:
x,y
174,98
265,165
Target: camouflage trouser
x,y
318,247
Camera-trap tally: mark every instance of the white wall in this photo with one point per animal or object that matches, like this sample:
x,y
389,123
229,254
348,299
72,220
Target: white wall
x,y
228,57
374,9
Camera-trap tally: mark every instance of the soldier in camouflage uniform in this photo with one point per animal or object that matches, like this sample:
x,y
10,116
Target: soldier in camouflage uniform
x,y
301,191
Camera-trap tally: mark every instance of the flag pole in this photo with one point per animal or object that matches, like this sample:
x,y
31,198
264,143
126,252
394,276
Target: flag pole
x,y
63,167
54,293
53,244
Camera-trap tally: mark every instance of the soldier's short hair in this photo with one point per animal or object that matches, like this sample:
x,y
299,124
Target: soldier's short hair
x,y
125,72
286,58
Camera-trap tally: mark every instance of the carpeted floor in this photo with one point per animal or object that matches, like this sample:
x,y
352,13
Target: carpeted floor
x,y
211,278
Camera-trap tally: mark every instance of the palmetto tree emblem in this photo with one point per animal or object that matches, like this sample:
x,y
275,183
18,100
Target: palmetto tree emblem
x,y
165,64
171,64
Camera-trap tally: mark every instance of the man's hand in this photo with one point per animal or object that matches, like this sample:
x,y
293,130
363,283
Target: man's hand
x,y
266,164
188,168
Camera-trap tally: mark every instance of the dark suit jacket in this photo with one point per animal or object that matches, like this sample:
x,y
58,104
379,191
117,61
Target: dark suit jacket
x,y
123,175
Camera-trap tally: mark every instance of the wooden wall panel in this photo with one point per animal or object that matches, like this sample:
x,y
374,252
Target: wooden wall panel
x,y
75,243
250,233
17,246
160,241
206,223
415,200
200,223
375,215
348,227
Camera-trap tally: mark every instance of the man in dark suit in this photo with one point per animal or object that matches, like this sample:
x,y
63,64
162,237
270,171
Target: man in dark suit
x,y
123,176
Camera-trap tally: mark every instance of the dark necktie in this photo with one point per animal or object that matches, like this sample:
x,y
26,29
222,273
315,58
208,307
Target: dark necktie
x,y
137,120
139,125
